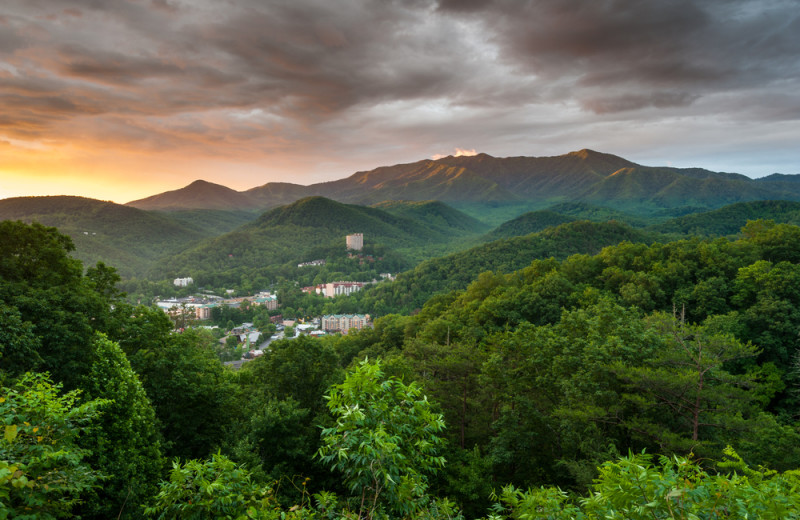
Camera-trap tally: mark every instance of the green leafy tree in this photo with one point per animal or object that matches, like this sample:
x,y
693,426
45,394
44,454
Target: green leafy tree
x,y
192,393
125,442
48,290
18,344
285,405
449,374
385,442
43,469
215,488
277,440
636,488
686,382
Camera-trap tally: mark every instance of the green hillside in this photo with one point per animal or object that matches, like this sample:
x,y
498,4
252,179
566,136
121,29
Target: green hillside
x,y
435,214
128,238
586,211
320,213
531,222
646,190
211,222
535,221
271,246
413,288
730,219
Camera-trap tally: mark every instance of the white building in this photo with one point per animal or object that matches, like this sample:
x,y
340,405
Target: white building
x,y
182,282
355,241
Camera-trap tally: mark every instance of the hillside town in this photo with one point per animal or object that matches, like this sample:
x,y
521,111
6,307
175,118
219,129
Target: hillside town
x,y
249,340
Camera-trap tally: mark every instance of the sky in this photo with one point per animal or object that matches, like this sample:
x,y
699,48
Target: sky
x,y
122,99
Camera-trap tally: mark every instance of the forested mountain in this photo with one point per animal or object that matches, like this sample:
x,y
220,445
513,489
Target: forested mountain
x,y
586,211
434,214
730,219
640,188
279,194
211,221
531,222
413,288
126,237
493,183
311,228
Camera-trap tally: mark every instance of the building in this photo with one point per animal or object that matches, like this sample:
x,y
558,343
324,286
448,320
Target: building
x,y
333,289
182,282
269,301
312,263
344,322
355,241
203,312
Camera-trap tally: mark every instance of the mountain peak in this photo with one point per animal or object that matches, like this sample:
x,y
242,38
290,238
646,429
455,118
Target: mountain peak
x,y
199,194
588,154
200,183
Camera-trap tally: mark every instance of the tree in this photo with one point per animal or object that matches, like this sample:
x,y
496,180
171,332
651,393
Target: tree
x,y
18,344
682,395
285,405
449,374
48,290
124,443
36,255
385,442
215,488
191,392
636,488
43,471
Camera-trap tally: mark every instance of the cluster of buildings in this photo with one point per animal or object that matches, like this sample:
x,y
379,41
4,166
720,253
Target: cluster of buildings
x,y
201,307
312,263
333,289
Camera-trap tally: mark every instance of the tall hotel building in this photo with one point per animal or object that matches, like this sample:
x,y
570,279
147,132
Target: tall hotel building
x,y
355,241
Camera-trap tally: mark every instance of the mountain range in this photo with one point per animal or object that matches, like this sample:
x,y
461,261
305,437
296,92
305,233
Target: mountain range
x,y
532,182
414,211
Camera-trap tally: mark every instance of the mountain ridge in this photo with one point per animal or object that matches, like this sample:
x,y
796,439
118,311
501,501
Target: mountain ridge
x,y
585,175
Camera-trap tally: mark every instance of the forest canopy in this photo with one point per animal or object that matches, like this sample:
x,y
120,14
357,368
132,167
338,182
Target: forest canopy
x,y
646,380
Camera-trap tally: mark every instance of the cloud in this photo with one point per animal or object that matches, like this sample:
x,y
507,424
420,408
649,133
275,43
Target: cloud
x,y
359,83
459,152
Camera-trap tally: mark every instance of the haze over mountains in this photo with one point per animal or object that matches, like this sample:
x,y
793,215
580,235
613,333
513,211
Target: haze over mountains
x,y
586,175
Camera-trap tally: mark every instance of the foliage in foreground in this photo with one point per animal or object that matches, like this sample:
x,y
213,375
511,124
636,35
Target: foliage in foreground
x,y
42,469
216,488
634,488
385,442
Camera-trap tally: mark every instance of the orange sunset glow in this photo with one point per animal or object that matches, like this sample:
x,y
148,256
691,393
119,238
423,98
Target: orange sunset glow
x,y
123,99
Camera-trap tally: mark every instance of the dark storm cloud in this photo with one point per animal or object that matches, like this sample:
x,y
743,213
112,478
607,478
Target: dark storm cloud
x,y
651,51
304,73
338,58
